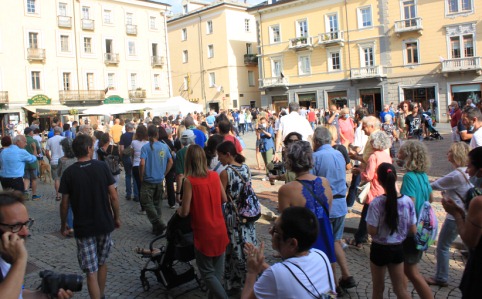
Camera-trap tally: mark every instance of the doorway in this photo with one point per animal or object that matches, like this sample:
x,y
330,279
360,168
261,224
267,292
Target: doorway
x,y
307,100
371,99
279,102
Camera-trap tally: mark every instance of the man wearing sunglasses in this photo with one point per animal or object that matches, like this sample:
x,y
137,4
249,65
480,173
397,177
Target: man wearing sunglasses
x,y
14,228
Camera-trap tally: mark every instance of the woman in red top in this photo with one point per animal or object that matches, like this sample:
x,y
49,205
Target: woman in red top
x,y
202,198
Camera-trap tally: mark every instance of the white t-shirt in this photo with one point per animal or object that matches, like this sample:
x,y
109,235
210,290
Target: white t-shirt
x,y
476,139
5,267
241,118
277,282
214,164
294,122
360,140
137,146
56,151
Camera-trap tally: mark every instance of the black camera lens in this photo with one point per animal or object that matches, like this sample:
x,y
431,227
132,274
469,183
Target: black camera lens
x,y
71,282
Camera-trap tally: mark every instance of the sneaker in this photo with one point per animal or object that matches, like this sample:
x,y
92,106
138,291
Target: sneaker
x,y
344,246
265,179
141,212
347,283
35,197
172,207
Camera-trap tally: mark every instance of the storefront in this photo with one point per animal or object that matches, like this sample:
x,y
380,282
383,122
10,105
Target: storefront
x,y
371,99
463,92
279,102
338,98
307,100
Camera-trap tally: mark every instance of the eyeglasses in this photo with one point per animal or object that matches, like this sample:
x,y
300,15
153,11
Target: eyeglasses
x,y
415,107
15,228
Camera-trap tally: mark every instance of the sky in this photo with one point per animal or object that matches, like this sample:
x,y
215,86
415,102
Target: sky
x,y
176,4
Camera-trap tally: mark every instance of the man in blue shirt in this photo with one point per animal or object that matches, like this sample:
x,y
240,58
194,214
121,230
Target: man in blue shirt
x,y
329,163
156,161
200,137
386,110
12,162
210,120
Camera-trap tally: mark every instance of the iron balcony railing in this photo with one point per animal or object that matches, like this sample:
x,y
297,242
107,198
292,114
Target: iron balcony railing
x,y
301,42
250,59
66,96
333,37
64,21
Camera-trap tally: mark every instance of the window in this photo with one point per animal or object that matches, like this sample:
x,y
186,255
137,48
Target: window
x,y
210,51
455,46
411,53
152,23
111,81
251,78
334,60
183,34
157,79
88,45
185,85
185,56
133,78
302,28
31,6
468,46
274,33
249,48
64,43
304,65
332,25
209,27
459,43
33,40
129,18
62,9
107,16
246,25
459,6
409,11
367,57
276,67
90,81
66,81
212,80
132,48
85,13
364,17
35,80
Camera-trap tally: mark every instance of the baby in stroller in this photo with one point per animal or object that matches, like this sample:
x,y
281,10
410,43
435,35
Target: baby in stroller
x,y
431,133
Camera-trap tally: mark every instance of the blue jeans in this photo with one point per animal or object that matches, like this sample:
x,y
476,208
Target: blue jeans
x,y
70,217
447,236
127,161
350,198
361,235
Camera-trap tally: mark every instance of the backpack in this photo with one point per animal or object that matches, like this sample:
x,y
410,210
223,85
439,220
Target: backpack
x,y
427,227
113,161
247,205
128,151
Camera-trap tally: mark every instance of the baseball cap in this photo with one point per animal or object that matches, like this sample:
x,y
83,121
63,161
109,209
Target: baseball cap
x,y
187,134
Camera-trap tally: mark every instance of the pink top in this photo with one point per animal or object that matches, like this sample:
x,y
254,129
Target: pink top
x,y
370,173
347,128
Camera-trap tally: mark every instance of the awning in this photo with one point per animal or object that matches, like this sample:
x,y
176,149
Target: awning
x,y
44,108
109,109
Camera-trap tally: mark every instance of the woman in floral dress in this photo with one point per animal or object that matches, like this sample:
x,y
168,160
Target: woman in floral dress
x,y
238,233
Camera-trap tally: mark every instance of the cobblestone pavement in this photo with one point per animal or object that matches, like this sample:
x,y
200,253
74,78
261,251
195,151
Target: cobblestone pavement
x,y
49,250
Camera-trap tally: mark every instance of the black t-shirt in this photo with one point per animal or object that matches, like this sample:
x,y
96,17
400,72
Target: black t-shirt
x,y
87,185
126,139
461,127
414,124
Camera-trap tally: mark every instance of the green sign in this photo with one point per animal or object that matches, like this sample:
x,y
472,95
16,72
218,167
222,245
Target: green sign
x,y
39,99
114,100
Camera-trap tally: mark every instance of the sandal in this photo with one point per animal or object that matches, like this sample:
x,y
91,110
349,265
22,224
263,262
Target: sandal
x,y
353,243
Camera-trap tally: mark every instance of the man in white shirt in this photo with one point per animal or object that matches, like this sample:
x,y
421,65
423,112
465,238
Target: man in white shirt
x,y
293,122
54,152
472,120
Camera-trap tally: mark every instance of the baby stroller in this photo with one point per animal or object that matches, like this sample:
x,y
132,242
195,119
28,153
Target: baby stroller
x,y
172,262
432,132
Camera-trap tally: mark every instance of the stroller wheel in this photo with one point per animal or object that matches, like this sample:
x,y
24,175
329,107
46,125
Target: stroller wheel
x,y
145,284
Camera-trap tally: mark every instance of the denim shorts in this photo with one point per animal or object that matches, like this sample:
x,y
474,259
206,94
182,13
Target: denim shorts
x,y
338,225
30,174
93,252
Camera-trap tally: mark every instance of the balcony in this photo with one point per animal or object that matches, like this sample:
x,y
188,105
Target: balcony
x,y
462,64
367,72
83,96
131,29
334,38
157,61
250,59
36,54
274,82
111,58
88,24
64,21
3,97
301,43
137,96
408,25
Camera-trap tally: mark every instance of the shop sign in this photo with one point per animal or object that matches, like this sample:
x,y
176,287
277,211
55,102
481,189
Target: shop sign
x,y
114,100
39,99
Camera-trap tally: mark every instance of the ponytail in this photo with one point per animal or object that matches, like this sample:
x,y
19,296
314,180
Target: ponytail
x,y
152,133
387,176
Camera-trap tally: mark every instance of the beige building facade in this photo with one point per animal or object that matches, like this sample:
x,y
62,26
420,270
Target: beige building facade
x,y
58,57
213,55
369,53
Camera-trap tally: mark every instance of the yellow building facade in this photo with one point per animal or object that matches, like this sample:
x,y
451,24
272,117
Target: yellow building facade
x,y
368,53
213,55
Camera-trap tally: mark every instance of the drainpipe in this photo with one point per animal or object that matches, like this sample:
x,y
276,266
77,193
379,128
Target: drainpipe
x,y
348,37
260,52
168,55
76,117
201,64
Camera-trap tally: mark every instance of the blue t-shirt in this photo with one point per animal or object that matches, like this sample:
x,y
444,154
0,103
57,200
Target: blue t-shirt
x,y
416,185
156,160
210,119
267,141
200,137
383,113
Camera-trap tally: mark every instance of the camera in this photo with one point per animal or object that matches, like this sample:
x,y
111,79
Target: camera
x,y
276,168
52,282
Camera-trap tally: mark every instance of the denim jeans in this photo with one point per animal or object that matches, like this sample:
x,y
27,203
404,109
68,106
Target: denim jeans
x,y
70,217
241,128
447,236
211,269
137,181
127,161
361,235
350,198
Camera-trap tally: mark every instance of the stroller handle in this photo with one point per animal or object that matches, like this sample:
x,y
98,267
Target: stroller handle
x,y
151,244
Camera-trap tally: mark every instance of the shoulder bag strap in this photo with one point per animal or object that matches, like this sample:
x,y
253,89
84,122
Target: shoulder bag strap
x,y
217,166
463,174
333,288
298,280
310,189
238,174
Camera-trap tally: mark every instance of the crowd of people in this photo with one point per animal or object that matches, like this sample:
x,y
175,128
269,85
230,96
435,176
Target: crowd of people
x,y
197,163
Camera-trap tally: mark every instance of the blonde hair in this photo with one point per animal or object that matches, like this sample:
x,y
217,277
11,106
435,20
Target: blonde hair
x,y
416,156
345,111
460,153
333,131
180,130
196,164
